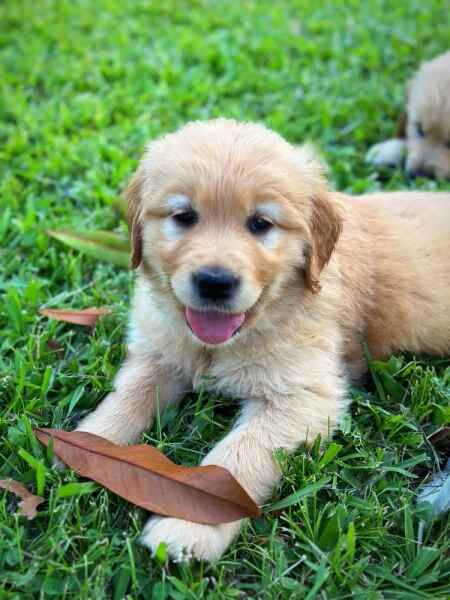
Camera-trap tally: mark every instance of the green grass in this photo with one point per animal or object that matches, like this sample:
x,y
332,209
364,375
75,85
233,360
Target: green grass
x,y
84,86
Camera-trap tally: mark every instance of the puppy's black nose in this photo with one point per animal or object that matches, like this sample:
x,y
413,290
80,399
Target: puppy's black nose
x,y
215,283
420,172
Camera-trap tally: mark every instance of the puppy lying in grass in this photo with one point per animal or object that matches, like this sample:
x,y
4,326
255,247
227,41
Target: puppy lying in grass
x,y
424,131
258,281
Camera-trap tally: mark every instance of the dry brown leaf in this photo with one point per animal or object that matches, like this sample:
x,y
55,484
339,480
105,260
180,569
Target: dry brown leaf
x,y
441,437
86,317
442,433
147,478
29,502
54,345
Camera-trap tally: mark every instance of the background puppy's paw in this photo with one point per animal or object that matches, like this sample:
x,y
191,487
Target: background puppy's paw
x,y
387,154
186,540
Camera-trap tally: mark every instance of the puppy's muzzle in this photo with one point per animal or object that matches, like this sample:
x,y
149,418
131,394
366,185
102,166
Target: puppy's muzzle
x,y
420,172
214,284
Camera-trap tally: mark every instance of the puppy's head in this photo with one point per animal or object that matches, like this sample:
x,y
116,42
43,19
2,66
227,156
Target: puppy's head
x,y
225,217
428,124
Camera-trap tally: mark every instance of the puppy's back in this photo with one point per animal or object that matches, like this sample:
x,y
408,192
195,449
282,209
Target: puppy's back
x,y
422,214
408,238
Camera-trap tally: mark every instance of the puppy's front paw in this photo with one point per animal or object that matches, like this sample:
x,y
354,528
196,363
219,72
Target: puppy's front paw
x,y
387,154
186,540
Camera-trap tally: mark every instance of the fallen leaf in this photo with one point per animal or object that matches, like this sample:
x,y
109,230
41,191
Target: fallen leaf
x,y
54,345
102,245
147,478
439,436
29,502
87,317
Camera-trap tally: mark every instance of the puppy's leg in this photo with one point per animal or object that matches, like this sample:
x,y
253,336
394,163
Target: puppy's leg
x,y
387,154
142,387
247,452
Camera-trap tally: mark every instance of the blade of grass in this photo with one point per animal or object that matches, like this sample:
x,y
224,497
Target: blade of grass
x,y
39,467
294,498
102,245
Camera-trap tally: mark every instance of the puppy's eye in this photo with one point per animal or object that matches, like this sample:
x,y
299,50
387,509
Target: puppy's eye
x,y
419,129
447,144
186,218
258,225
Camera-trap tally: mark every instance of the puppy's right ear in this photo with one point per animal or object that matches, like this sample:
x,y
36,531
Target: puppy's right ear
x,y
400,131
325,228
133,197
402,122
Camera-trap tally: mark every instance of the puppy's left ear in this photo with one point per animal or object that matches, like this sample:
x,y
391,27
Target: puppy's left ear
x,y
133,197
325,227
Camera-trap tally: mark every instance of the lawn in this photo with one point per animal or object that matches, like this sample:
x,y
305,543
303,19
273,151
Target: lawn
x,y
84,86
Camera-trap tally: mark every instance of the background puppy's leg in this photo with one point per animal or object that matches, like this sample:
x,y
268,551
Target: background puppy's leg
x,y
247,452
390,153
142,387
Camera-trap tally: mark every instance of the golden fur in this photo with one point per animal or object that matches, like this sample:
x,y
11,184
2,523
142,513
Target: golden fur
x,y
424,136
332,271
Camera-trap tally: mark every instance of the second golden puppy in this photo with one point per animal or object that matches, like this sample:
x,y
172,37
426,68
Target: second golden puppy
x,y
424,132
257,281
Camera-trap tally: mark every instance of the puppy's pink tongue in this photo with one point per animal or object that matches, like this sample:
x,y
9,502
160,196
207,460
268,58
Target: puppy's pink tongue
x,y
213,327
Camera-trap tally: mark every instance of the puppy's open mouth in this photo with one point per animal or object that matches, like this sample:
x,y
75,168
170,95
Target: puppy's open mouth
x,y
212,326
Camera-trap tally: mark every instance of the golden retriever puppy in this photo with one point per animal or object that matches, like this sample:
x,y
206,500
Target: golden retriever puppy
x,y
424,132
258,282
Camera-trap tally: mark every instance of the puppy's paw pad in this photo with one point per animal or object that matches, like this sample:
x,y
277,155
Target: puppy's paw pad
x,y
186,540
